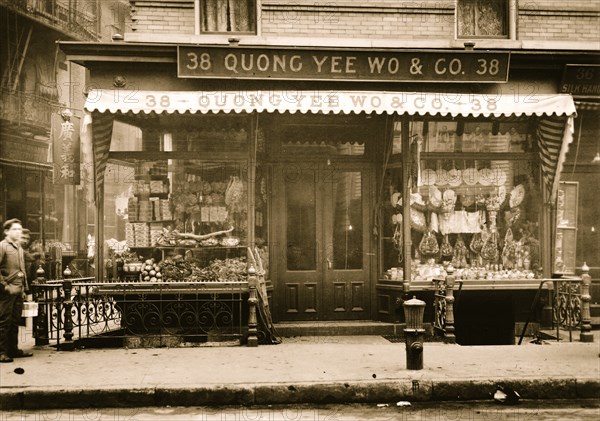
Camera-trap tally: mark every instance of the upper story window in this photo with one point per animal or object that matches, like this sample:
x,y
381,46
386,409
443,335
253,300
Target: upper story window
x,y
237,16
482,18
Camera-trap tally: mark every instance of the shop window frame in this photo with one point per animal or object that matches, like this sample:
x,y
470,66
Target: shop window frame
x,y
395,164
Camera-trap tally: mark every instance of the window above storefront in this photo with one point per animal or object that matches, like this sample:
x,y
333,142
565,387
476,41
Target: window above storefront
x,y
227,16
483,18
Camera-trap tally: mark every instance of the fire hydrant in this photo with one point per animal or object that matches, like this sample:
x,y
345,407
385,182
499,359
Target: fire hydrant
x,y
414,333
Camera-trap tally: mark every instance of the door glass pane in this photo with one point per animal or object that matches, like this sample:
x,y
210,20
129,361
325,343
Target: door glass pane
x,y
301,222
347,221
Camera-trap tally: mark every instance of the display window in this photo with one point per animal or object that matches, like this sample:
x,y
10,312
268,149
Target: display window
x,y
475,202
176,199
177,213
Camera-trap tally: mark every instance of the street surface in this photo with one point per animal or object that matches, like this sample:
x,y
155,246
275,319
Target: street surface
x,y
438,411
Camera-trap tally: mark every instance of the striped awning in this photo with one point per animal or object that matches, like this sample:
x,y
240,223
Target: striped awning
x,y
555,112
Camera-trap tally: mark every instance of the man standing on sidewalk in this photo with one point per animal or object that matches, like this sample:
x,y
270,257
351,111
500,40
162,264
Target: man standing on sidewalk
x,y
13,283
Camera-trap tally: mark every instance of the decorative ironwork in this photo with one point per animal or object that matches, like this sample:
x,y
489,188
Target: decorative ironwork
x,y
443,303
439,305
28,108
567,304
198,312
73,22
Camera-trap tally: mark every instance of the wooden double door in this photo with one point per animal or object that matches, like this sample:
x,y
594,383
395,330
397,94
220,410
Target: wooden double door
x,y
321,254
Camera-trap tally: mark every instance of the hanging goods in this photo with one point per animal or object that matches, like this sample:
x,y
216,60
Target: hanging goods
x,y
446,249
459,258
429,245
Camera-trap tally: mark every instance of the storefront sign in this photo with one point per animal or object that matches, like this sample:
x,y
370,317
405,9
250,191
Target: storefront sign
x,y
581,80
65,138
287,64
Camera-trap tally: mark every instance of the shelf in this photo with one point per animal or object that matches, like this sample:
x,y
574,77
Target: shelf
x,y
148,195
188,247
167,288
200,247
152,177
133,221
461,189
486,285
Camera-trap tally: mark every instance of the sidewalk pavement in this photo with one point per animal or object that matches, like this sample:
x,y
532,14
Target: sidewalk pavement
x,y
332,369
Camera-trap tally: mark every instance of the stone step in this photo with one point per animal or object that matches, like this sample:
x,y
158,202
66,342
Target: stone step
x,y
343,328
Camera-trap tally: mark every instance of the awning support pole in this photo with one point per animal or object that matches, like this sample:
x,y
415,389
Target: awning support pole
x,y
406,164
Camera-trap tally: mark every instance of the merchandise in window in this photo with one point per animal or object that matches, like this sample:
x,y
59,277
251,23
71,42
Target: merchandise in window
x,y
474,202
237,16
482,18
178,220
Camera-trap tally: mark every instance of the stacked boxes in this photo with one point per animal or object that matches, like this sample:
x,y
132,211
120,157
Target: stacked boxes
x,y
148,209
132,209
137,234
156,230
144,211
130,234
158,186
142,234
158,168
165,210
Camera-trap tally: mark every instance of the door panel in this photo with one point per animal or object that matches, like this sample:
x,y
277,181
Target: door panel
x,y
346,234
321,241
296,253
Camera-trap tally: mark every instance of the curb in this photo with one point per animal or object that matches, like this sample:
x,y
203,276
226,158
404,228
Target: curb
x,y
298,393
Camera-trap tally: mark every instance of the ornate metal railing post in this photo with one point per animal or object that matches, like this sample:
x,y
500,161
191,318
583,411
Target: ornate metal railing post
x,y
40,296
449,336
586,334
68,344
252,302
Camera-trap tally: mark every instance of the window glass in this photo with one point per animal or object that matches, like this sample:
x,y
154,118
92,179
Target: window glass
x,y
482,18
228,16
475,201
347,220
203,134
323,140
476,136
145,199
301,222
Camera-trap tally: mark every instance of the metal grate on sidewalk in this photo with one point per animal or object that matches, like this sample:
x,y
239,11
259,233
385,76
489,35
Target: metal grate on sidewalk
x,y
394,338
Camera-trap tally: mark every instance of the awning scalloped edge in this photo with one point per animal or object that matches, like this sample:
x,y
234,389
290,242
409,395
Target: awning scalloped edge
x,y
328,102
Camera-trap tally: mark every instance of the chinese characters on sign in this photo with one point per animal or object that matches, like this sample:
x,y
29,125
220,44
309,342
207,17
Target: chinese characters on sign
x,y
65,138
286,64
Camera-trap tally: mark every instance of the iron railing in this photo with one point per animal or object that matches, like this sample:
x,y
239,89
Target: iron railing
x,y
570,305
79,24
141,313
25,108
567,305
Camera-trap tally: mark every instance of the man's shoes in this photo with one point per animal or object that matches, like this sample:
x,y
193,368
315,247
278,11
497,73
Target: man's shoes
x,y
21,354
5,359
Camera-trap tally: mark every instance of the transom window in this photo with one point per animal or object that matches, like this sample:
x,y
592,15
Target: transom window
x,y
482,18
222,16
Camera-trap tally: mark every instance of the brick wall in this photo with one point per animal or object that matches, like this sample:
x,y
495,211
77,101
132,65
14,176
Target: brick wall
x,y
378,19
392,19
165,16
559,20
